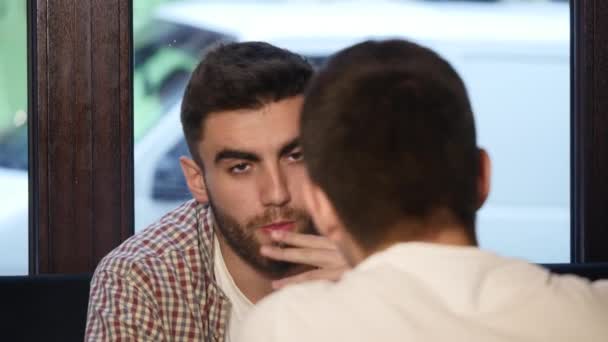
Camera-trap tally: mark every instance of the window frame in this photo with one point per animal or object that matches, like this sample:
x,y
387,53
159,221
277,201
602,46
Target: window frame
x,y
80,62
80,132
589,131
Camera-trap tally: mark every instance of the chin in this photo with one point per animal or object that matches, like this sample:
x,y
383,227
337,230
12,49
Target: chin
x,y
275,269
263,239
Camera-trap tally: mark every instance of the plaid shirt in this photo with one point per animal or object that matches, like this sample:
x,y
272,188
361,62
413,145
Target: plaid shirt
x,y
159,285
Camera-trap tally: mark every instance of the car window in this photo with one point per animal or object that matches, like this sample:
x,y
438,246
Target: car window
x,y
169,183
13,149
165,55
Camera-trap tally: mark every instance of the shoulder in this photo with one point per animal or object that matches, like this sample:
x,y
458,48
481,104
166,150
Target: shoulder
x,y
298,295
175,234
286,314
576,289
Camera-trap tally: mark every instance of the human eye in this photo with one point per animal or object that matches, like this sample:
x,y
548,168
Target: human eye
x,y
239,168
295,156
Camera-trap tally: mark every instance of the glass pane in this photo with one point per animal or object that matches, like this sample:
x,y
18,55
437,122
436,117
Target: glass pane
x,y
512,54
13,139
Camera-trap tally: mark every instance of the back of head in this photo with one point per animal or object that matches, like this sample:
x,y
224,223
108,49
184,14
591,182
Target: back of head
x,y
388,134
236,76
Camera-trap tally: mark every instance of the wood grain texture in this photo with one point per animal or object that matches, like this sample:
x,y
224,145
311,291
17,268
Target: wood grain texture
x,y
590,131
81,137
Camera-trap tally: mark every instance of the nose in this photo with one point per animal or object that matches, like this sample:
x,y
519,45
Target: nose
x,y
273,188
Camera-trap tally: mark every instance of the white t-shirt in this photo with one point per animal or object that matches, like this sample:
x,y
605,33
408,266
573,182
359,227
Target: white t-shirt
x,y
430,292
241,305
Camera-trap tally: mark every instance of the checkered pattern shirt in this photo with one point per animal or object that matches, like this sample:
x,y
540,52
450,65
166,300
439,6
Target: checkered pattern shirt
x,y
159,285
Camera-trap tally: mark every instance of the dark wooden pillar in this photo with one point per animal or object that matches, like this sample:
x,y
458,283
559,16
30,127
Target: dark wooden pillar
x,y
589,130
80,132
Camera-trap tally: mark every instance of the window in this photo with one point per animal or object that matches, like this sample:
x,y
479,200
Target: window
x,y
13,139
513,56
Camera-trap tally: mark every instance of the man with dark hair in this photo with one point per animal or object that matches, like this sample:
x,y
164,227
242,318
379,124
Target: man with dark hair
x,y
396,176
194,274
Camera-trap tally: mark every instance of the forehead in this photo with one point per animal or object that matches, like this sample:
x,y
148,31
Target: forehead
x,y
259,130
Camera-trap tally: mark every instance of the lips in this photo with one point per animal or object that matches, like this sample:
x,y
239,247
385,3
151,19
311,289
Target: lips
x,y
279,226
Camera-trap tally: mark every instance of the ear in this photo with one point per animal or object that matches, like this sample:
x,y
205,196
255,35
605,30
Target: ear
x,y
485,175
194,179
322,212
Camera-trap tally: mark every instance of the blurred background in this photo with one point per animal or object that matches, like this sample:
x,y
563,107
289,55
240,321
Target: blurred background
x,y
512,54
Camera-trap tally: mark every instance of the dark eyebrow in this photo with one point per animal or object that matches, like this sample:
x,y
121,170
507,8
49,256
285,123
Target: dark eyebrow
x,y
290,146
234,154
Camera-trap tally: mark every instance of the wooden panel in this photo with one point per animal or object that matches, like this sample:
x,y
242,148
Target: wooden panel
x,y
37,136
81,136
590,131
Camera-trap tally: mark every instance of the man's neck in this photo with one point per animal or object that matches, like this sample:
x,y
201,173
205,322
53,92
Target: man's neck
x,y
455,236
252,283
446,235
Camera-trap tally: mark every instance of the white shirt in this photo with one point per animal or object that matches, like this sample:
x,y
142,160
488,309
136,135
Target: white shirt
x,y
241,305
430,292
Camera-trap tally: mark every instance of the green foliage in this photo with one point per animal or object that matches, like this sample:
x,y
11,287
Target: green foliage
x,y
13,64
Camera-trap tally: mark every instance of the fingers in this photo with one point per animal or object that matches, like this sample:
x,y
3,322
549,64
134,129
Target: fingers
x,y
306,256
333,274
302,240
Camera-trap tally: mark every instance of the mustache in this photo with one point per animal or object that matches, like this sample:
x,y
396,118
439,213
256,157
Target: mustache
x,y
277,214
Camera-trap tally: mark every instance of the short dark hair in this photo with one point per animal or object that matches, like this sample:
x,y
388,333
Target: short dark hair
x,y
234,76
388,133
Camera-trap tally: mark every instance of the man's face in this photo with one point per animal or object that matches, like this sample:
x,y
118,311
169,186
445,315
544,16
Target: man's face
x,y
253,169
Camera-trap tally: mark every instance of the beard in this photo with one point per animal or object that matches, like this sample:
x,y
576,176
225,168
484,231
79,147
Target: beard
x,y
242,240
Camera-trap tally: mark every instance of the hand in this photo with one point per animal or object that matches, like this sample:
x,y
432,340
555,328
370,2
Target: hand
x,y
306,249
